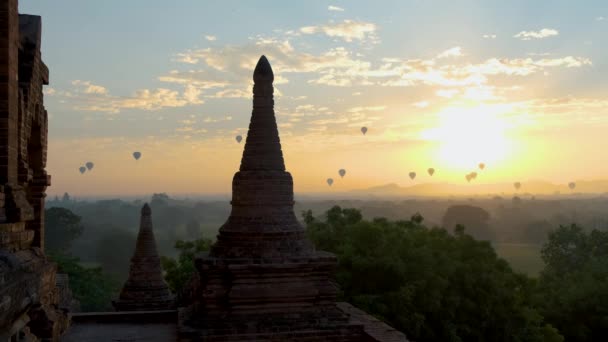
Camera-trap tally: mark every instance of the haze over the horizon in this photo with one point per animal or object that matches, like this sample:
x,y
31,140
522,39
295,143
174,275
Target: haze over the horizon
x,y
519,85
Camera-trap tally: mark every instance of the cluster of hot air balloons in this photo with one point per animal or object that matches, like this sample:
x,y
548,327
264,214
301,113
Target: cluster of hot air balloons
x,y
341,172
87,166
473,174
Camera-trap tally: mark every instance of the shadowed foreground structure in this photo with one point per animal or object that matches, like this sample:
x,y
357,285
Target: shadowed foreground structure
x,y
263,279
32,305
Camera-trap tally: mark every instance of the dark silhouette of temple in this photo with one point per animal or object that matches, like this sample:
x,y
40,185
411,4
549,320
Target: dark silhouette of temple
x,y
145,288
263,279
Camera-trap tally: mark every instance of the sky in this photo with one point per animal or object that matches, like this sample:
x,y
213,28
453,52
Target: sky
x,y
518,85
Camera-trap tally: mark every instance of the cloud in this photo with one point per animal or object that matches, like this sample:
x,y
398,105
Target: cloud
x,y
529,35
600,18
453,52
335,8
489,36
347,30
230,67
211,38
366,108
49,91
88,88
211,120
89,97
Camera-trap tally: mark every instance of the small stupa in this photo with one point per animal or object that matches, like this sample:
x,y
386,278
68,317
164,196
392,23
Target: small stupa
x,y
145,288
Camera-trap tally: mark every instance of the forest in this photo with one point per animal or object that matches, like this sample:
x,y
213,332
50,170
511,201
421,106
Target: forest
x,y
469,269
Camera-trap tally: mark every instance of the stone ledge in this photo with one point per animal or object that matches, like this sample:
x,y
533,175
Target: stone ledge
x,y
376,330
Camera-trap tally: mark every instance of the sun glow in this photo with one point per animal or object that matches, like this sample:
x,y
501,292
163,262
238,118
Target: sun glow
x,y
468,135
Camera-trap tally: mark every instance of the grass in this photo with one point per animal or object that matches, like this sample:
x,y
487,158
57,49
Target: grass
x,y
523,258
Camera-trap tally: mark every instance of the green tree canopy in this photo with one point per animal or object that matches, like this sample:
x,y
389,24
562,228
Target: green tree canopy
x,y
573,288
90,286
475,219
433,285
179,271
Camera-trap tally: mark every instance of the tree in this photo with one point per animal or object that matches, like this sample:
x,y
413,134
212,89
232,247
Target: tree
x,y
90,286
66,198
573,288
159,200
433,285
62,227
179,271
475,220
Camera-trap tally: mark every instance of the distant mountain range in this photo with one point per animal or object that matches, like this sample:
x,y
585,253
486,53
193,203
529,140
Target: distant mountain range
x,y
532,187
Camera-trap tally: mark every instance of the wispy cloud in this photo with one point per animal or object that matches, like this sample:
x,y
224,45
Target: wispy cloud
x,y
348,30
489,36
453,52
87,96
529,35
211,38
600,18
335,8
88,88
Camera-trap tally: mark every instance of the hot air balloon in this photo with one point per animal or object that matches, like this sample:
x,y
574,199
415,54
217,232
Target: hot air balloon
x,y
82,169
517,185
468,177
342,172
412,175
136,155
572,185
364,130
239,138
431,171
482,166
330,181
473,175
89,165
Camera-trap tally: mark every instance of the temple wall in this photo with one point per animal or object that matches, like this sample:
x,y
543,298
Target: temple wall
x,y
29,296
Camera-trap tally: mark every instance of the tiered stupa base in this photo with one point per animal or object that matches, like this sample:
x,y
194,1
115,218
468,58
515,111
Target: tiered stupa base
x,y
284,300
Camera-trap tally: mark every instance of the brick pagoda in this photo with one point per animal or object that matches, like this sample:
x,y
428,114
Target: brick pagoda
x,y
145,288
263,279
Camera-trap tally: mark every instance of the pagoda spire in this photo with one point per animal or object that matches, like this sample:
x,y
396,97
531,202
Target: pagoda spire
x,y
263,146
145,288
262,224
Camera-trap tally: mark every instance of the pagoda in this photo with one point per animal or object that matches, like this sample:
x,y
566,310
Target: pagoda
x,y
263,279
145,288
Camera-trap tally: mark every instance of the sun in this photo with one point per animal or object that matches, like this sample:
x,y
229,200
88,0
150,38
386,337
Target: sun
x,y
470,134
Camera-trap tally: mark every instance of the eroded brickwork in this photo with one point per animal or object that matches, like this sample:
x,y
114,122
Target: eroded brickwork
x,y
29,296
263,280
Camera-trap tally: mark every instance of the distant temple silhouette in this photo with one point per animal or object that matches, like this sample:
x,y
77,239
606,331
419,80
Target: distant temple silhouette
x,y
145,288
